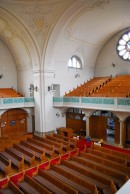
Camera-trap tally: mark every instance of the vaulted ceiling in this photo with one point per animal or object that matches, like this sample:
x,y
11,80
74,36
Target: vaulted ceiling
x,y
26,26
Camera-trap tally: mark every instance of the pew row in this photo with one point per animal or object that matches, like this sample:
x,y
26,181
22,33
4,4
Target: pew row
x,y
49,150
108,156
5,165
28,157
117,177
66,145
10,188
72,142
100,160
16,160
52,184
39,154
30,186
124,158
103,184
81,185
57,147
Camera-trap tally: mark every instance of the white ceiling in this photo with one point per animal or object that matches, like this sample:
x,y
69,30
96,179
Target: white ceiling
x,y
90,22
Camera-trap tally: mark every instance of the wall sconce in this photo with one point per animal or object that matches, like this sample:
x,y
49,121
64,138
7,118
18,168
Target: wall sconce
x,y
57,114
51,88
113,65
77,75
32,88
1,76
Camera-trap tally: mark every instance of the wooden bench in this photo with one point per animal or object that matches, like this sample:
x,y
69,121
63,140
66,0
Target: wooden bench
x,y
120,167
101,182
123,156
29,186
10,188
16,161
115,175
71,141
49,150
66,145
57,147
52,184
28,157
5,165
39,154
81,185
107,155
68,132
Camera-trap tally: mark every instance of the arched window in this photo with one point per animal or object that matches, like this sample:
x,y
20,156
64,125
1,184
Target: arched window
x,y
123,46
75,62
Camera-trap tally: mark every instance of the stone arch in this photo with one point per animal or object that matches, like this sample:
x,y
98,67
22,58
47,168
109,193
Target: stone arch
x,y
19,41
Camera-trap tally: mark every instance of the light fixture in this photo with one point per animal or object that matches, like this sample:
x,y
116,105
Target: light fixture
x,y
57,114
32,88
1,76
77,75
51,88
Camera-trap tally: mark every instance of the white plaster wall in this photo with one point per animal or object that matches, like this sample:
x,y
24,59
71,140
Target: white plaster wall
x,y
107,56
7,68
25,78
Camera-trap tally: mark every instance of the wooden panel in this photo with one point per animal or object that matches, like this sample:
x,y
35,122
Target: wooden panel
x,y
13,121
97,126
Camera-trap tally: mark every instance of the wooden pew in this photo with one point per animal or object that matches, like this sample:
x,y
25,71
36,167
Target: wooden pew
x,y
71,141
57,147
39,154
81,185
118,177
49,150
107,155
66,145
10,188
52,184
30,186
16,161
123,156
120,167
28,157
103,184
5,165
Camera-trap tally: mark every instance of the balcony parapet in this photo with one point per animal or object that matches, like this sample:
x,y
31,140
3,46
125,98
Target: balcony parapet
x,y
112,104
20,102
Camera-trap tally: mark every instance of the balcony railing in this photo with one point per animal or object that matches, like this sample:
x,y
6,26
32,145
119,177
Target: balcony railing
x,y
113,104
19,102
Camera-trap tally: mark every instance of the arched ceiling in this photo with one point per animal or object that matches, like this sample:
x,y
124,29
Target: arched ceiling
x,y
89,22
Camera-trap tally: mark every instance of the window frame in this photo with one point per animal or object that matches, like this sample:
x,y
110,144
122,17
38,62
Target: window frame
x,y
124,42
77,61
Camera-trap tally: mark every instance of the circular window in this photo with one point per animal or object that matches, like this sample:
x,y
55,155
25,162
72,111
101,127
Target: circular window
x,y
123,46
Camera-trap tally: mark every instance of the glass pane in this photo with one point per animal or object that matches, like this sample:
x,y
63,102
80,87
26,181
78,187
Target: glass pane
x,y
70,63
122,42
121,53
125,37
126,55
119,48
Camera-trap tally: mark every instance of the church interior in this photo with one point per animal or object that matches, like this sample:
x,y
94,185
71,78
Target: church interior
x,y
64,97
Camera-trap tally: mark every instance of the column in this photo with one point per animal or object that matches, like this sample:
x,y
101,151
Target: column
x,y
87,126
121,133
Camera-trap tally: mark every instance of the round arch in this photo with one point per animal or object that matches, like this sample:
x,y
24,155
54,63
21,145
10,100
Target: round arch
x,y
19,41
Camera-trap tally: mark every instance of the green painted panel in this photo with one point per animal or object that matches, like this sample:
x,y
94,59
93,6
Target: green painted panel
x,y
28,99
86,100
125,102
57,99
7,100
75,100
18,100
108,101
